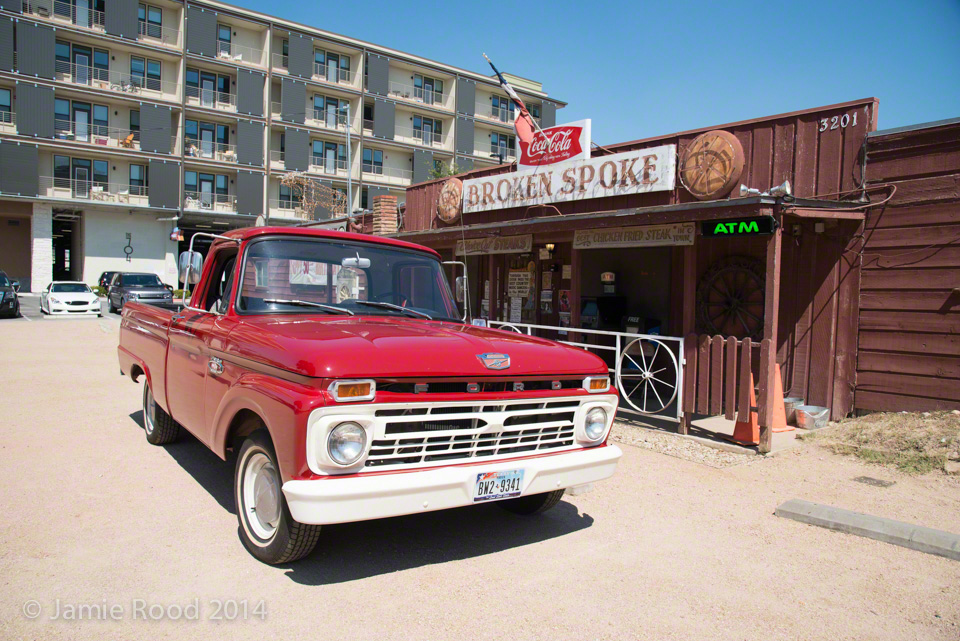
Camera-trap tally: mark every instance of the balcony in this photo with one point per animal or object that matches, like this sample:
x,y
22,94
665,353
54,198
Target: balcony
x,y
99,135
88,190
65,13
155,34
421,137
316,118
210,150
115,81
291,209
490,151
322,72
329,166
239,54
387,175
277,160
209,202
8,122
210,99
503,115
420,95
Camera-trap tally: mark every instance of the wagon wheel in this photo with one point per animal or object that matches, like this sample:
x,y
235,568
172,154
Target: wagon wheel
x,y
730,298
647,375
511,328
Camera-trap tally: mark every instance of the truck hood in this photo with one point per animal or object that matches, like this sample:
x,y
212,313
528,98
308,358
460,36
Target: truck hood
x,y
388,347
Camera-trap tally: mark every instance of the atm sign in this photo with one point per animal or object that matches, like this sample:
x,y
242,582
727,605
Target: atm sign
x,y
755,226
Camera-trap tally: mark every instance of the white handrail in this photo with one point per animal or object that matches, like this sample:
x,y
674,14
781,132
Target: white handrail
x,y
501,114
417,94
109,79
386,174
320,165
239,53
211,99
197,148
65,12
8,118
73,189
166,35
342,76
420,137
207,201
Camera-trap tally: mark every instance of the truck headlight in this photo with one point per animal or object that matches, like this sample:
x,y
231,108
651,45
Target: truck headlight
x,y
595,424
346,443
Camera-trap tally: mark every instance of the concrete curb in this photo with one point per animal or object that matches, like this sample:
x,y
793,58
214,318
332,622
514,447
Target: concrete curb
x,y
915,537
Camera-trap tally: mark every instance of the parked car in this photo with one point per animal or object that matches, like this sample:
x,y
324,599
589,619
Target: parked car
x,y
105,279
127,286
9,301
69,298
340,371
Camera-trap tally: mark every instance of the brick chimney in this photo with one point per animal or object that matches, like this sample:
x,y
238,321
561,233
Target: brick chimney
x,y
384,215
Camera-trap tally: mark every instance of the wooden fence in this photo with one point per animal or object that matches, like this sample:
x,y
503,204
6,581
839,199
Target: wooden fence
x,y
717,377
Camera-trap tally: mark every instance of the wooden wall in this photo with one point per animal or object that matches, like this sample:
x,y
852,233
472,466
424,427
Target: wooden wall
x,y
909,339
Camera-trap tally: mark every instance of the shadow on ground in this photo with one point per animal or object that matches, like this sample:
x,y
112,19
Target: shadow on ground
x,y
353,551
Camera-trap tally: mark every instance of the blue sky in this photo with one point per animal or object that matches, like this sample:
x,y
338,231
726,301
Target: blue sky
x,y
642,69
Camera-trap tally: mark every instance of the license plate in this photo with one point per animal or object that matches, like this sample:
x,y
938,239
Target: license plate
x,y
491,486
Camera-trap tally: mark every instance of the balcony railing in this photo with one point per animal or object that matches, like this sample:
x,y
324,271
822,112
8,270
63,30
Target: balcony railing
x,y
239,53
502,114
111,80
74,189
333,73
329,166
115,137
8,119
418,136
367,125
328,120
155,33
280,61
290,208
211,99
387,174
210,150
277,158
418,94
65,12
206,201
492,151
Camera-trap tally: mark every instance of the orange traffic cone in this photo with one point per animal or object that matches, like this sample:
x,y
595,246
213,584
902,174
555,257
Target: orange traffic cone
x,y
747,432
778,422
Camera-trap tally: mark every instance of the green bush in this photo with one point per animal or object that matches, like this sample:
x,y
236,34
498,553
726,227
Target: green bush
x,y
181,293
99,291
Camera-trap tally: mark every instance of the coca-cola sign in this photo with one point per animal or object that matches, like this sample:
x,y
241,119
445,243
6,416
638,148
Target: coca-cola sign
x,y
556,144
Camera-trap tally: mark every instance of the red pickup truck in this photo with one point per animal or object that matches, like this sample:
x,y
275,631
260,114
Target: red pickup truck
x,y
338,369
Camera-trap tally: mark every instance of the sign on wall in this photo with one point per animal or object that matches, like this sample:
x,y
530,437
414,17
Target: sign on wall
x,y
753,226
630,172
556,144
496,245
645,236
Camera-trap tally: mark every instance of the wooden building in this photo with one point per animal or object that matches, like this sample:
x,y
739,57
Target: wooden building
x,y
789,298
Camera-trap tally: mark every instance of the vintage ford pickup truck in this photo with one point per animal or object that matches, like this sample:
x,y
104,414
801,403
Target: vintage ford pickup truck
x,y
339,371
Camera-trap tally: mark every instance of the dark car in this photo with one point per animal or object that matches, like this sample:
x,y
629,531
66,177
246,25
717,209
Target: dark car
x,y
9,302
105,279
142,287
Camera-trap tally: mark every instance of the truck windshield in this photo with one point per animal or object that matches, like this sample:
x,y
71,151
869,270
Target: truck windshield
x,y
282,275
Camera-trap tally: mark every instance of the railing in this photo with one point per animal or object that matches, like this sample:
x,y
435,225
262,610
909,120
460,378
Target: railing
x,y
206,201
72,189
418,136
494,151
323,118
98,134
277,157
321,165
195,148
239,53
211,99
8,119
333,73
65,12
111,80
367,125
165,35
283,208
280,61
502,114
387,174
417,94
647,369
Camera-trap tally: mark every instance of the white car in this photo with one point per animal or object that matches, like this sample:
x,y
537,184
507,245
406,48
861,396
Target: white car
x,y
69,298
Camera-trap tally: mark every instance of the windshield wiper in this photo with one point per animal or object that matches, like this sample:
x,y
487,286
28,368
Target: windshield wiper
x,y
374,303
306,303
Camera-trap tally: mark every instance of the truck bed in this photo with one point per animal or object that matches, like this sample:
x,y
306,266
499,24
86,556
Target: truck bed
x,y
143,342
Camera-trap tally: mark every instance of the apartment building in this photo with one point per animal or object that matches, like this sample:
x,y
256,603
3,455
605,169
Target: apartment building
x,y
121,121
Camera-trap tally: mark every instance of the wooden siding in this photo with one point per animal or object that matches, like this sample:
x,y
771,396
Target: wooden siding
x,y
909,339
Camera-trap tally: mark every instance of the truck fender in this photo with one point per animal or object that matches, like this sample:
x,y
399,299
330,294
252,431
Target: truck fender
x,y
135,366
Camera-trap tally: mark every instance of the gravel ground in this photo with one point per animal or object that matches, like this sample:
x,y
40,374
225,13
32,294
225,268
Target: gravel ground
x,y
667,549
687,449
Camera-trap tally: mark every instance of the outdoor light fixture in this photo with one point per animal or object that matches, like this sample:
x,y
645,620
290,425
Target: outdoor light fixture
x,y
550,247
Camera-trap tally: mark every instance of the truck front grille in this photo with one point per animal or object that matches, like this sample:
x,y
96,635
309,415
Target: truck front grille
x,y
430,435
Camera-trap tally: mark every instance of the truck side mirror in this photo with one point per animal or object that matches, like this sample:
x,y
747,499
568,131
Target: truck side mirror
x,y
191,265
461,288
16,285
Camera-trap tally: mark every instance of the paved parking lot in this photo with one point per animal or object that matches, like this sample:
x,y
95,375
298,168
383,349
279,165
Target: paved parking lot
x,y
667,549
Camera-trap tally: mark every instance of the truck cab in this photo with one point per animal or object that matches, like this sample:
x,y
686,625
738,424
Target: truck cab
x,y
339,371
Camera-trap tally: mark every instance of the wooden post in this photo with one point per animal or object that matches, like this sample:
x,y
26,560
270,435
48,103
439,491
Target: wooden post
x,y
575,257
771,310
688,327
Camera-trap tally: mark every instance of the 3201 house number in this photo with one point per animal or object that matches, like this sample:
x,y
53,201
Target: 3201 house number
x,y
838,122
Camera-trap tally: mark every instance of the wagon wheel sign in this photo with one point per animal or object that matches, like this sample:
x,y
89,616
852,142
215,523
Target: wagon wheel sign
x,y
730,298
711,164
648,375
450,201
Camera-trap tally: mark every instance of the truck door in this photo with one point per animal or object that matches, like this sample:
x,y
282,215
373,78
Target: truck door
x,y
190,362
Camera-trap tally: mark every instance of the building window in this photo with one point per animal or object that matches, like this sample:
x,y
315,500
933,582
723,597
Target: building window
x,y
534,110
427,130
221,185
333,67
154,22
61,117
502,145
62,57
286,197
101,65
101,176
372,161
363,198
224,37
138,71
428,90
61,172
153,75
138,180
502,108
223,136
285,58
223,87
193,78
101,120
6,106
329,156
135,124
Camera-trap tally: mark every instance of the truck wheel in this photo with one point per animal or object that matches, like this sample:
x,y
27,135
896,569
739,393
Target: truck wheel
x,y
533,504
267,529
159,426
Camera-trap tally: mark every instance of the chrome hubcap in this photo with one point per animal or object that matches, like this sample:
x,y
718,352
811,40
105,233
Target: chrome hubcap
x,y
261,493
149,407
